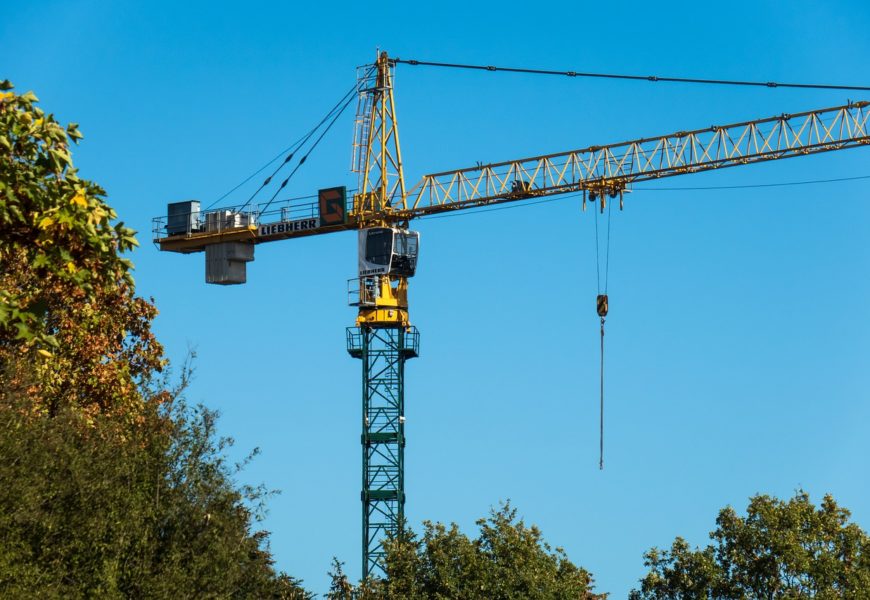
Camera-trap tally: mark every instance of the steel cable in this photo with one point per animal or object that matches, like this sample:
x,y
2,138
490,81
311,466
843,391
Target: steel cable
x,y
292,149
649,78
305,157
343,103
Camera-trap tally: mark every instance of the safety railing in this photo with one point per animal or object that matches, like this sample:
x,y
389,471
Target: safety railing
x,y
363,291
193,220
410,342
196,221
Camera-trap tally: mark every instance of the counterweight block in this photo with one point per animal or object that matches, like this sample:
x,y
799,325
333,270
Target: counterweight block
x,y
226,263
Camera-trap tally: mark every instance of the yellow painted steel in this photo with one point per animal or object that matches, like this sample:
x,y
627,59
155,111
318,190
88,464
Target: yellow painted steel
x,y
383,317
383,178
616,166
383,199
599,172
390,306
196,242
383,186
187,243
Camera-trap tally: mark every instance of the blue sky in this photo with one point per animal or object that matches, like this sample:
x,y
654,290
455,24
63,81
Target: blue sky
x,y
737,340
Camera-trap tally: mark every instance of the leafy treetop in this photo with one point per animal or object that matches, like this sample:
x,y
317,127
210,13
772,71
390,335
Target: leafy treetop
x,y
780,549
57,221
507,561
72,332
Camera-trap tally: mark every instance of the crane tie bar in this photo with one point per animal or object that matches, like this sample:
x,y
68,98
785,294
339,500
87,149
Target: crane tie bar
x,y
651,78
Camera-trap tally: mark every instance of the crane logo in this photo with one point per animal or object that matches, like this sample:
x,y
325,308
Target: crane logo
x,y
332,203
286,227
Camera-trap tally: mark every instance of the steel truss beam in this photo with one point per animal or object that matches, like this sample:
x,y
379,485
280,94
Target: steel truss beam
x,y
597,168
377,154
383,352
617,165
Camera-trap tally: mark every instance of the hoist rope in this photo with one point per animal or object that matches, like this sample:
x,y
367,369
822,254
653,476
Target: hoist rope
x,y
601,406
650,78
602,313
597,256
607,253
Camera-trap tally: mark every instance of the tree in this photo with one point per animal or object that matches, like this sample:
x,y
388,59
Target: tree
x,y
113,511
780,549
110,485
508,560
72,331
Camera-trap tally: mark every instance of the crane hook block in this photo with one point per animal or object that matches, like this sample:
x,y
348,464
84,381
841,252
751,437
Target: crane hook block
x,y
601,305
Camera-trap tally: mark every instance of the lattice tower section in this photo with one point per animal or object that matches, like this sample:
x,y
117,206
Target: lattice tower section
x,y
383,352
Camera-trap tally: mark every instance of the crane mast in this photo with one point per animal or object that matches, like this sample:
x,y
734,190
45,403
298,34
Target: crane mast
x,y
381,210
383,338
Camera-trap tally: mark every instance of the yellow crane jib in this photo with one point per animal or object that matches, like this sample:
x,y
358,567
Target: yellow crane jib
x,y
606,170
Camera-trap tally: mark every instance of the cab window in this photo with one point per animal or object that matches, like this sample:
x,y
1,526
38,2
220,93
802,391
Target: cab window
x,y
379,246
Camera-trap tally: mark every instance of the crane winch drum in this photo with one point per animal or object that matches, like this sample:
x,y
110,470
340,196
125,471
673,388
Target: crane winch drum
x,y
388,251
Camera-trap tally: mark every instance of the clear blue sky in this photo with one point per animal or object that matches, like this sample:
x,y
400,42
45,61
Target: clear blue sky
x,y
738,341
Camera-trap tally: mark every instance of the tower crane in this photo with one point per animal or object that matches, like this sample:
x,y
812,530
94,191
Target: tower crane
x,y
381,211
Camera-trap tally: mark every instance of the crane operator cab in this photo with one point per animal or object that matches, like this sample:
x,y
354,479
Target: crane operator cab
x,y
388,251
387,258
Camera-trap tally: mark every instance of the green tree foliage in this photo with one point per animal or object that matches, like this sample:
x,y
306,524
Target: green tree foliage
x,y
508,560
72,332
52,223
110,485
780,549
110,511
